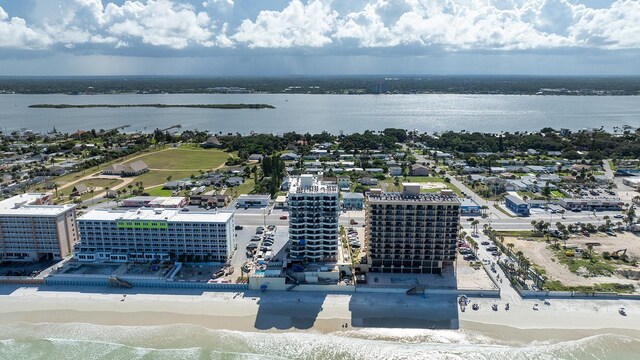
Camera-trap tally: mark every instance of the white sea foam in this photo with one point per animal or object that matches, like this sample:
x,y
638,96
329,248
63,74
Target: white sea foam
x,y
86,341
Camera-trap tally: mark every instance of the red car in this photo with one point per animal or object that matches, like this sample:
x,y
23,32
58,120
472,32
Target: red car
x,y
283,217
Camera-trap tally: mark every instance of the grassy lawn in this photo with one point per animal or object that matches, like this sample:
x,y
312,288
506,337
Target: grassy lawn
x,y
516,233
153,178
556,194
605,287
182,159
159,191
246,188
612,165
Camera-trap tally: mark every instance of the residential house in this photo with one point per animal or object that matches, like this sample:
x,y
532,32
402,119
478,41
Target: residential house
x,y
234,181
255,157
395,171
419,170
289,156
344,182
352,201
368,181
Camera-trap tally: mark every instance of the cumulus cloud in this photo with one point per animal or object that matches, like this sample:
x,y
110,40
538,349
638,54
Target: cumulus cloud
x,y
15,33
296,25
418,25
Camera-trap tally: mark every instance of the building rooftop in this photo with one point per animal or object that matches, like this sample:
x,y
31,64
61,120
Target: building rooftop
x,y
425,197
309,184
254,197
169,215
31,204
351,195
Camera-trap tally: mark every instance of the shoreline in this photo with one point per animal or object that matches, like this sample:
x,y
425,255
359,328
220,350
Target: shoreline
x,y
319,313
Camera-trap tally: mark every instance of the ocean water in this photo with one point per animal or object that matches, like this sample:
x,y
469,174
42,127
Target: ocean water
x,y
85,341
334,113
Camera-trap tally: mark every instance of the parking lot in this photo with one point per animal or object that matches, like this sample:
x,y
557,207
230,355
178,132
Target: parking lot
x,y
280,236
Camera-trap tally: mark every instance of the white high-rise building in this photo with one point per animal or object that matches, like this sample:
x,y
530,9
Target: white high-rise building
x,y
313,219
155,234
31,229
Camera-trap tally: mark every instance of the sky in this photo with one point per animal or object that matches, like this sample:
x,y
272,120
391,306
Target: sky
x,y
319,37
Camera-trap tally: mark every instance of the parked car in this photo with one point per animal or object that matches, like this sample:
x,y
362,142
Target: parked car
x,y
238,227
485,243
252,246
283,217
618,216
469,257
255,238
470,219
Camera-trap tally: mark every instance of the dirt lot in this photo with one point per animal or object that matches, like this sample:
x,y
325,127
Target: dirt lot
x,y
538,253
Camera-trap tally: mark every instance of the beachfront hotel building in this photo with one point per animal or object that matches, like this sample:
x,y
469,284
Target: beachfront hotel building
x,y
411,232
155,234
31,229
313,219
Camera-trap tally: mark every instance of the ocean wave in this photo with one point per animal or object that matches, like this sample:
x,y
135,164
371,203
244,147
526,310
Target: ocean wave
x,y
82,341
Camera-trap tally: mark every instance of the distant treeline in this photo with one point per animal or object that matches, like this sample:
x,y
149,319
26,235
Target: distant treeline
x,y
525,85
199,106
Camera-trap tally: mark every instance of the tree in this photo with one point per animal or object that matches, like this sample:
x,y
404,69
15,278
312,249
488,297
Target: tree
x,y
475,223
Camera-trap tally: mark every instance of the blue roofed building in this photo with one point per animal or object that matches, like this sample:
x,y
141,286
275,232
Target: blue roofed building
x,y
517,205
469,207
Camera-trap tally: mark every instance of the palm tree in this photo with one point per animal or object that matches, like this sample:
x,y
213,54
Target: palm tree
x,y
510,246
475,223
590,247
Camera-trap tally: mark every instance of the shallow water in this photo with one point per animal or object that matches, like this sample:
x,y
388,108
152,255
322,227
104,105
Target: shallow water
x,y
85,341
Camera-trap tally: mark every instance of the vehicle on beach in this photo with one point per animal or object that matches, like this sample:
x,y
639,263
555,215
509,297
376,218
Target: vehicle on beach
x,y
475,307
494,307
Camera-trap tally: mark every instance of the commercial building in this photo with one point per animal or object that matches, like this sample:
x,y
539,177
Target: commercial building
x,y
155,201
313,219
251,200
133,169
468,207
517,205
593,204
410,232
155,234
31,229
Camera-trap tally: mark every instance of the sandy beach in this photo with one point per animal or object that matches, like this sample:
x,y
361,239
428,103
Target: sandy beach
x,y
565,319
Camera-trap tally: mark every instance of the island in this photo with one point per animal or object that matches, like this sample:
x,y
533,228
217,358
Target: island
x,y
199,106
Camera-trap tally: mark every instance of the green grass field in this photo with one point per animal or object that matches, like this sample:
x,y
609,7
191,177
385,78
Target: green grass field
x,y
159,191
183,159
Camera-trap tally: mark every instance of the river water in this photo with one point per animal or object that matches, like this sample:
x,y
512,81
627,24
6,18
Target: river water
x,y
334,113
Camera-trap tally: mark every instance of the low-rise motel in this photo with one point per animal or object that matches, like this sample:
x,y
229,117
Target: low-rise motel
x,y
155,234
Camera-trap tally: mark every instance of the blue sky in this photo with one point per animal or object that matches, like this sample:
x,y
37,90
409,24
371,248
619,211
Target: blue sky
x,y
297,37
